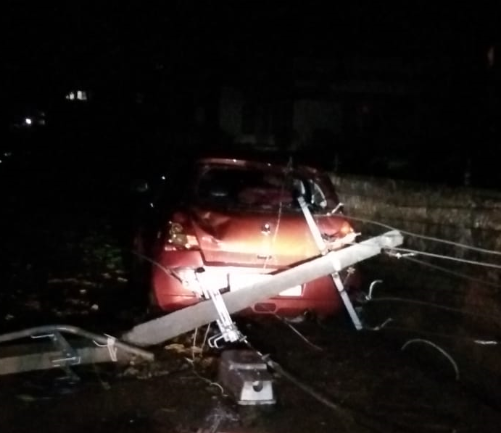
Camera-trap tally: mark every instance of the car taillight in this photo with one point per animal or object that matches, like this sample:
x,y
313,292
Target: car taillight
x,y
179,238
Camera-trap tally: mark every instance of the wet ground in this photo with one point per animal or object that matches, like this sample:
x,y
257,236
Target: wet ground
x,y
338,380
63,262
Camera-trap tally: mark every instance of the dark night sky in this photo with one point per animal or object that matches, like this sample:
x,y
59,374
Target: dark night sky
x,y
50,47
137,36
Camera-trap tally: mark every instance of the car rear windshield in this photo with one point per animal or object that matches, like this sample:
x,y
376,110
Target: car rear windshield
x,y
256,188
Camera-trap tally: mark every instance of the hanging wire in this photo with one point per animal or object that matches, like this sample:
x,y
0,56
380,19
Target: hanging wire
x,y
296,331
204,341
407,252
446,257
206,335
433,305
206,380
194,344
438,348
474,340
454,273
277,226
287,170
429,238
153,262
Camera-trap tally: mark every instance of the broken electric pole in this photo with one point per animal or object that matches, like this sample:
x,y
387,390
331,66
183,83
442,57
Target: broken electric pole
x,y
179,322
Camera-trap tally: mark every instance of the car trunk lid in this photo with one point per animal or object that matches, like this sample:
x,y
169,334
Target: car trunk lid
x,y
268,239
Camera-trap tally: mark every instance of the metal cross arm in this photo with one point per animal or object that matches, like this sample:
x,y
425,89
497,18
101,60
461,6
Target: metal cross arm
x,y
323,247
229,331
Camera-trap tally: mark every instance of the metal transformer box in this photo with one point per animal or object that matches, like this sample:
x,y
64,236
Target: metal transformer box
x,y
246,377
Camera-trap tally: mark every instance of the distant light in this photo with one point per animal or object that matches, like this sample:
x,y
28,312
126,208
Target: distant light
x,y
163,177
81,96
28,121
152,205
1,161
78,95
234,160
7,154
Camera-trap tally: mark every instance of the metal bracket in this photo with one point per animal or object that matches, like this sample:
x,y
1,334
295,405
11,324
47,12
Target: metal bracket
x,y
347,302
229,331
322,246
397,255
69,355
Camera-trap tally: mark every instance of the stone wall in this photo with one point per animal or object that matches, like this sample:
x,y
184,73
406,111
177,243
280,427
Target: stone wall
x,y
450,303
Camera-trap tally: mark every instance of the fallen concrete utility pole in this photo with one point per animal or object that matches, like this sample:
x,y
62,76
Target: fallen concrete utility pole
x,y
179,322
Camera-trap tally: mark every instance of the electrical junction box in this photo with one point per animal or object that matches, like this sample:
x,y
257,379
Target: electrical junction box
x,y
246,377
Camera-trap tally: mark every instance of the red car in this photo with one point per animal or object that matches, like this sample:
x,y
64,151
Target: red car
x,y
237,221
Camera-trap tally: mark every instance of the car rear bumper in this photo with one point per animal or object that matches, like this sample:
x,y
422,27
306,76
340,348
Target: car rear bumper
x,y
180,280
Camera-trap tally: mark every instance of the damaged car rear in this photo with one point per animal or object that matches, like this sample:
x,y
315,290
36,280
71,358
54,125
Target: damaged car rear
x,y
234,222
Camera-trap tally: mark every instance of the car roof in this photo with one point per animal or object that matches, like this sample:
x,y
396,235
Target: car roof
x,y
260,163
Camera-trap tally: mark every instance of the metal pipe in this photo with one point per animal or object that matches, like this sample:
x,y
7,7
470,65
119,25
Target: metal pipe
x,y
69,329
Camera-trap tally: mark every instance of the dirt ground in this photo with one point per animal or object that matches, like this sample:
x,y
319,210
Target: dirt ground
x,y
339,380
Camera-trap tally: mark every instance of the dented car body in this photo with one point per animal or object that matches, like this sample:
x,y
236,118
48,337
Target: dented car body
x,y
236,222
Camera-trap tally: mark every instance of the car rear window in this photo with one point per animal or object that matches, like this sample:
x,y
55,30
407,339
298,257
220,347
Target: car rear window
x,y
255,188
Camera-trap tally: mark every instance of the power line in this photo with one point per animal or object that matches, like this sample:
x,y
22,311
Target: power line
x,y
429,238
474,340
408,251
433,305
454,273
445,257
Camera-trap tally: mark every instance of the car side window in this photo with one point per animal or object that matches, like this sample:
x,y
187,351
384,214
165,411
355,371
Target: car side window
x,y
311,191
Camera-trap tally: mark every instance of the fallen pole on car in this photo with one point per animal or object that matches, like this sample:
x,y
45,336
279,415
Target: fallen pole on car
x,y
52,350
179,322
